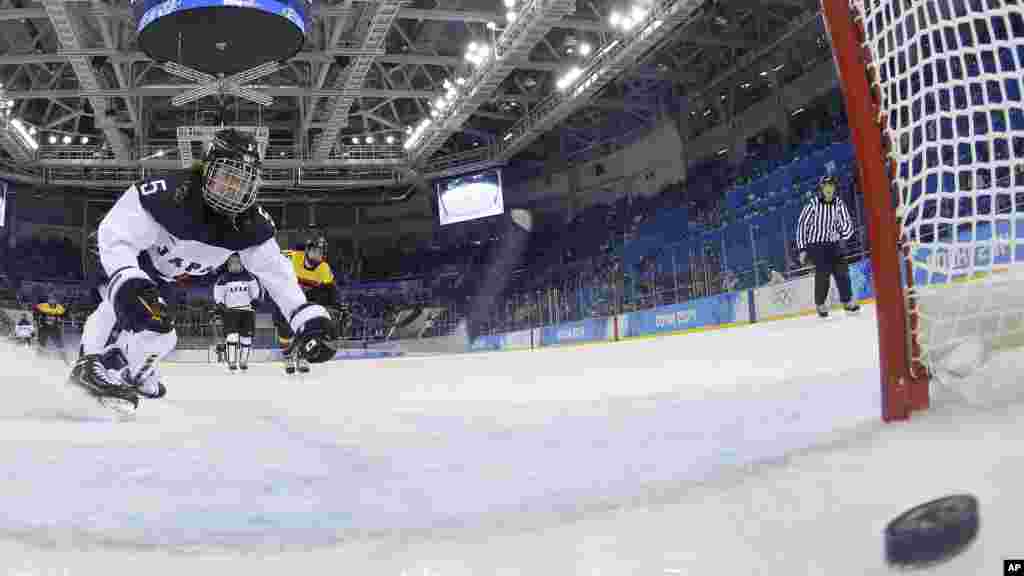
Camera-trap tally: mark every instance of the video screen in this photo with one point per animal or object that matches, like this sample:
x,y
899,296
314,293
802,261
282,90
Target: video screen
x,y
469,197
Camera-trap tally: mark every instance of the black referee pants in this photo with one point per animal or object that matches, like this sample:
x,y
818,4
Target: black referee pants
x,y
828,263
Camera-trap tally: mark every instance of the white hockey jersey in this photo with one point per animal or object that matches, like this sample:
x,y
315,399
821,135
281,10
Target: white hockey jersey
x,y
162,229
24,330
236,291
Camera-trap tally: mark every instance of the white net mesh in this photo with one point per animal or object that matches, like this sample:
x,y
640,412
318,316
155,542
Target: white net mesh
x,y
948,75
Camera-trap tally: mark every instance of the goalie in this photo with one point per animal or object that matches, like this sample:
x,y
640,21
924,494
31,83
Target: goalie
x,y
234,293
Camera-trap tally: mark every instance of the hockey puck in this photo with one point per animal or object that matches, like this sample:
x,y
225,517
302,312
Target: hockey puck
x,y
933,532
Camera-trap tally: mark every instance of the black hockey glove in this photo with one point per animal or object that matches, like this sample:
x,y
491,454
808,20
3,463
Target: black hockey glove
x,y
314,340
140,307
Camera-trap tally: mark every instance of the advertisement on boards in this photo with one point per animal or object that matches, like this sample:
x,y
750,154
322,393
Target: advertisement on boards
x,y
712,311
487,342
796,296
591,330
521,340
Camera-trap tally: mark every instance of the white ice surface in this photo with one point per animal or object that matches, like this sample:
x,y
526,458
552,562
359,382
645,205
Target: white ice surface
x,y
756,450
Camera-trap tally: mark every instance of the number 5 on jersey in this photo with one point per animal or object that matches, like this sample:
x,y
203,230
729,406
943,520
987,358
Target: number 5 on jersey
x,y
153,187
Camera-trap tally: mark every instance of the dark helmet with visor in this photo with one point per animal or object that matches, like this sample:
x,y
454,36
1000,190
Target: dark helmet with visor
x,y
231,177
316,249
235,263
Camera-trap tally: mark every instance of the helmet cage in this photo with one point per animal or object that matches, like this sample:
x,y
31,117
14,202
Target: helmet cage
x,y
230,184
235,264
315,253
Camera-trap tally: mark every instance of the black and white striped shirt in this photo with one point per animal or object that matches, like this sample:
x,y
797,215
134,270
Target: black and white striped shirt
x,y
822,222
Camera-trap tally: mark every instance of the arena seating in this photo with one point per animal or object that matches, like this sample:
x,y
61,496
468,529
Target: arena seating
x,y
723,230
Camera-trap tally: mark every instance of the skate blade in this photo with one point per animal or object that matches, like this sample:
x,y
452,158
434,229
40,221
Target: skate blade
x,y
123,409
161,391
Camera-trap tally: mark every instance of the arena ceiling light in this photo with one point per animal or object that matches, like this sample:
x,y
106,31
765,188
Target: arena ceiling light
x,y
415,134
511,13
158,154
25,134
6,104
625,21
231,85
571,76
477,53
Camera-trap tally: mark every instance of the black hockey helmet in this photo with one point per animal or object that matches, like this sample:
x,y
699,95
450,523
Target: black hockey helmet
x,y
827,180
234,263
316,249
231,176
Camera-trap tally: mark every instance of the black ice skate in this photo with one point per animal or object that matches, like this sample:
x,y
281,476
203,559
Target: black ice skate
x,y
92,375
852,307
823,311
290,361
303,365
232,366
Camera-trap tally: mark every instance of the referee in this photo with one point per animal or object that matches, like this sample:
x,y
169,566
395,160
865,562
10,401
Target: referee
x,y
823,223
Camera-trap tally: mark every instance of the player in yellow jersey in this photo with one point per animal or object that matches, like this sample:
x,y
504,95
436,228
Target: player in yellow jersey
x,y
49,318
317,281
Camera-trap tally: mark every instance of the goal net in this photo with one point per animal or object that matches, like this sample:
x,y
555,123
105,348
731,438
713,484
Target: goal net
x,y
946,80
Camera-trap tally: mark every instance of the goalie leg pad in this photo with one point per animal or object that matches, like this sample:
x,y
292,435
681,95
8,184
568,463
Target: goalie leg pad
x,y
232,349
246,349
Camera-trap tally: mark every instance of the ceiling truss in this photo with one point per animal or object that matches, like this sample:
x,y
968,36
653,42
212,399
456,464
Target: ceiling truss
x,y
367,72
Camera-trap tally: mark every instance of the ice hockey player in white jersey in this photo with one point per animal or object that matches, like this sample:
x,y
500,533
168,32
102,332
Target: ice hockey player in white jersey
x,y
23,331
184,224
234,293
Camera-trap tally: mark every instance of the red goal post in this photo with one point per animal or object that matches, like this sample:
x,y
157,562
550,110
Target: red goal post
x,y
904,382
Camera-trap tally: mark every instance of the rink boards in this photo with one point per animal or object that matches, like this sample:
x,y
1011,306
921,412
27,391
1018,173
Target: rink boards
x,y
766,303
